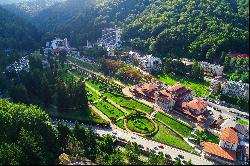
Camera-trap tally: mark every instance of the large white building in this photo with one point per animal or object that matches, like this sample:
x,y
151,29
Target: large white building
x,y
151,63
212,69
236,89
56,45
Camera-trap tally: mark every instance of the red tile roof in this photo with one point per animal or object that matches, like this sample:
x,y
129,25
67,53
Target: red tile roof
x,y
149,87
229,135
216,150
197,105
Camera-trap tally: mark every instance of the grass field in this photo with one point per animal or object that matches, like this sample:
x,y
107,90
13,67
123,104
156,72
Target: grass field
x,y
92,96
177,126
243,122
140,124
128,102
201,89
165,135
120,124
109,110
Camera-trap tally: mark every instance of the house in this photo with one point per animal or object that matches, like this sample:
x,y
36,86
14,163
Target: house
x,y
196,109
217,153
56,45
150,63
225,152
236,89
243,131
168,97
229,139
146,90
212,69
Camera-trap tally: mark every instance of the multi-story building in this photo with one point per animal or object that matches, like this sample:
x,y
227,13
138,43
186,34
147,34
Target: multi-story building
x,y
225,152
56,45
212,69
151,63
167,98
229,139
146,91
236,89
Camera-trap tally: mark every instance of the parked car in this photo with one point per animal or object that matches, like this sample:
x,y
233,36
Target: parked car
x,y
168,156
180,156
161,146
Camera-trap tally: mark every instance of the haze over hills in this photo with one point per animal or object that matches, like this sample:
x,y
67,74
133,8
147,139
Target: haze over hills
x,y
182,28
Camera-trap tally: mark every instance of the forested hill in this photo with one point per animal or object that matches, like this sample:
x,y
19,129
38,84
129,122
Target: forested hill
x,y
16,33
83,20
196,28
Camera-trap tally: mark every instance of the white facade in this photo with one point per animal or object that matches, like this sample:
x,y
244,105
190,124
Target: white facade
x,y
165,105
233,88
150,63
212,69
228,145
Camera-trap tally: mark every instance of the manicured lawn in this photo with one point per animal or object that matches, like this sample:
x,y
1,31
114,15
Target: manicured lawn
x,y
94,85
243,122
165,135
92,96
120,124
177,126
140,124
84,64
201,89
109,110
127,102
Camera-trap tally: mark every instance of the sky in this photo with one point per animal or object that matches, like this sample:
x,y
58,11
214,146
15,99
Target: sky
x,y
9,1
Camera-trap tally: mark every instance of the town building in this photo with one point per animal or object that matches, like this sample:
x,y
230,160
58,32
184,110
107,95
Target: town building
x,y
88,46
229,139
196,109
212,69
225,152
111,38
236,89
56,45
146,91
150,63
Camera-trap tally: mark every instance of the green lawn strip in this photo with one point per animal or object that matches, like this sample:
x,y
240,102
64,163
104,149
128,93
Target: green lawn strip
x,y
92,96
128,102
95,86
140,125
120,124
167,136
109,110
206,136
201,89
86,65
243,122
174,124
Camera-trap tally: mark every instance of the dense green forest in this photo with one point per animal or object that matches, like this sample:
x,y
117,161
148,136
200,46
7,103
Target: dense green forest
x,y
16,33
200,29
196,28
28,137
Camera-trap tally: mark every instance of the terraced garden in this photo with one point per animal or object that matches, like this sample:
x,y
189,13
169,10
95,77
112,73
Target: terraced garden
x,y
171,131
175,125
167,136
140,124
109,110
86,65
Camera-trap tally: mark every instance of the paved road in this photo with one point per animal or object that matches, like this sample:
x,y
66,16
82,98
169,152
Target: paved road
x,y
146,143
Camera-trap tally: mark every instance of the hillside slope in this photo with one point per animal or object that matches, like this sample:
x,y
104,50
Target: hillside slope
x,y
16,33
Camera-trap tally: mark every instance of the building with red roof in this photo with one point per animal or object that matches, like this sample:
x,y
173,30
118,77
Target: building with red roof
x,y
229,139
